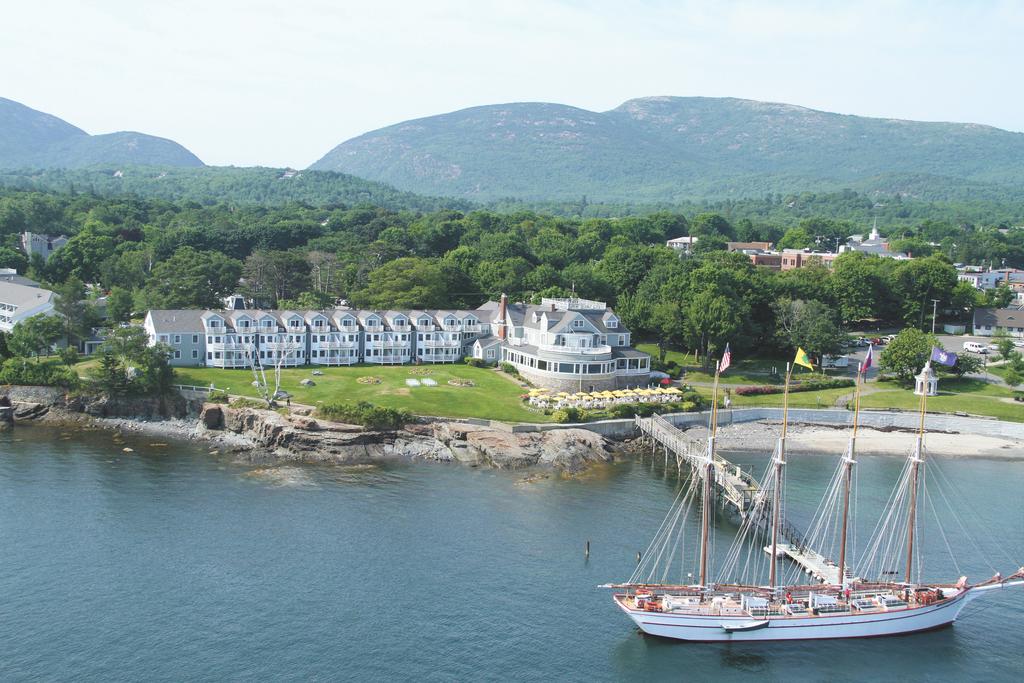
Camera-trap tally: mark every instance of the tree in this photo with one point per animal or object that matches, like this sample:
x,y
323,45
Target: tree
x,y
119,305
313,300
128,364
409,282
1004,344
796,238
192,279
907,353
81,257
75,313
711,320
807,324
12,258
711,224
35,336
965,365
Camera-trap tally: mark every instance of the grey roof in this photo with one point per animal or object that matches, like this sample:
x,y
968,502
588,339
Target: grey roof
x,y
24,296
16,279
999,317
177,321
488,341
626,352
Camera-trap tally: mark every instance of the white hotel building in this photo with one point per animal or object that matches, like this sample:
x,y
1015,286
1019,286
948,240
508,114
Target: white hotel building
x,y
563,343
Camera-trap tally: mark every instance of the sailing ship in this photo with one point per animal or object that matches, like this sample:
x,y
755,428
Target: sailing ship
x,y
852,600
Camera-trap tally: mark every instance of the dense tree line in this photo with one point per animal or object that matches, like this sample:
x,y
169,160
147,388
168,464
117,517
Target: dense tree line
x,y
150,253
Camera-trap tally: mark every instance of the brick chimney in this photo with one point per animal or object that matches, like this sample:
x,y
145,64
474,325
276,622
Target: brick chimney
x,y
502,309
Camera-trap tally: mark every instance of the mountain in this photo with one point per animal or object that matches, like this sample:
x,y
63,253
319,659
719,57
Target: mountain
x,y
33,139
671,149
227,184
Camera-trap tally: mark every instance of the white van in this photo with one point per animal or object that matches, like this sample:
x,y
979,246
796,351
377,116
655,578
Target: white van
x,y
835,362
975,347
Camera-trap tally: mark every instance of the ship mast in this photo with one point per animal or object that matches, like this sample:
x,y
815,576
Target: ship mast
x,y
780,462
848,463
916,460
709,471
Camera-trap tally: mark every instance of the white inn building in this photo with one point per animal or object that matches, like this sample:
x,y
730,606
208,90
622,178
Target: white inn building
x,y
563,343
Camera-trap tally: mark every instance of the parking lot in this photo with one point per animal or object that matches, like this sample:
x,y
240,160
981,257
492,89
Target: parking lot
x,y
950,342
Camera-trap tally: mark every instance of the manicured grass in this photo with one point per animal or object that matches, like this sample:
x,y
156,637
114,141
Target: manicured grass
x,y
955,395
825,398
494,395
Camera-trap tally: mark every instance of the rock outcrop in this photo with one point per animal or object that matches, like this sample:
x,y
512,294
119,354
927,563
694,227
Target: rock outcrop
x,y
301,438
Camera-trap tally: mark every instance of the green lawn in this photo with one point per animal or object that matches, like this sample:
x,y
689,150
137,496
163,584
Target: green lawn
x,y
494,395
802,399
955,396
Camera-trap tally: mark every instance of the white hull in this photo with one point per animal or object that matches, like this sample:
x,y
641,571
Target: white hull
x,y
868,625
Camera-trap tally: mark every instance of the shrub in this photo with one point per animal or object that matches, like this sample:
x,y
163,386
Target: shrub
x,y
564,415
806,385
623,410
474,362
508,368
248,403
365,414
218,396
20,371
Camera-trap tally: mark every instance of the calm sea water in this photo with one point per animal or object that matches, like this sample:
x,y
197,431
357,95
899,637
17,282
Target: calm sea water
x,y
171,564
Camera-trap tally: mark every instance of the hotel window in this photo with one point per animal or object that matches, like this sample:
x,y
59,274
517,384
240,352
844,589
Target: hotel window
x,y
612,324
163,338
622,340
195,338
577,323
177,339
177,353
209,355
195,353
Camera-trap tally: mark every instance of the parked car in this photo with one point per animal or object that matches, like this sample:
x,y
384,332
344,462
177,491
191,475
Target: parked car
x,y
889,337
878,341
975,347
1019,343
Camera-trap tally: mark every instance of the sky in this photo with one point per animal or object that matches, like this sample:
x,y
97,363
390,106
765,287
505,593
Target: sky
x,y
251,82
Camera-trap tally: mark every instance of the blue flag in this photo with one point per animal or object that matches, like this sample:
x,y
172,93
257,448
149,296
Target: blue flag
x,y
943,357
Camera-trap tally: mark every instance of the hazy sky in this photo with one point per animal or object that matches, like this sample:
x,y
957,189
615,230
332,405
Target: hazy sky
x,y
279,83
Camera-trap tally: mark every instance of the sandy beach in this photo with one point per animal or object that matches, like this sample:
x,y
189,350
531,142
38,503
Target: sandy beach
x,y
762,436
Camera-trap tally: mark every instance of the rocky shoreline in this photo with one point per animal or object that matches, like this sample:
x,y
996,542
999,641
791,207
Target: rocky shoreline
x,y
266,436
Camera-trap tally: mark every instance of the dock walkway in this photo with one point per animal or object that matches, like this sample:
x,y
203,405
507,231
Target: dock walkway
x,y
736,490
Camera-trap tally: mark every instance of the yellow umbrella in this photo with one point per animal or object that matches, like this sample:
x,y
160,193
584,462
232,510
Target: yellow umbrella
x,y
673,390
562,393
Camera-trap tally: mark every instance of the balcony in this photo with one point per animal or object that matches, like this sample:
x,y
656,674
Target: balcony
x,y
214,346
440,344
328,345
602,349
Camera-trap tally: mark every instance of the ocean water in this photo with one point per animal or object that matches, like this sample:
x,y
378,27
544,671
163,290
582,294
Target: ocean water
x,y
172,564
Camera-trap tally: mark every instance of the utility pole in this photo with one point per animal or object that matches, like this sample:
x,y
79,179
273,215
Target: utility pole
x,y
935,308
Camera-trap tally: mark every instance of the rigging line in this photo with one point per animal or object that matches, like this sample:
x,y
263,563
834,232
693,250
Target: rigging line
x,y
942,534
959,522
964,504
654,540
893,507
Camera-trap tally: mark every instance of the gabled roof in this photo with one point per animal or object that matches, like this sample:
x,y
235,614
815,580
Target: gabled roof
x,y
24,296
999,317
176,321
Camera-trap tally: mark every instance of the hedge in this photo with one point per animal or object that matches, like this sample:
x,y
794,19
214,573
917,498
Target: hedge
x,y
21,371
808,385
365,414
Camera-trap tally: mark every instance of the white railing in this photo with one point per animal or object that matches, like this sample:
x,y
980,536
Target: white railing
x,y
578,350
214,346
440,344
335,345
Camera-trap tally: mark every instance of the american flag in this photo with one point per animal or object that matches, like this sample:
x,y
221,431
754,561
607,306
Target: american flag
x,y
723,364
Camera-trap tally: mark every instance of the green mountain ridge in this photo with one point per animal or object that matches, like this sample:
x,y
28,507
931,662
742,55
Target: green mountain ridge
x,y
674,149
34,139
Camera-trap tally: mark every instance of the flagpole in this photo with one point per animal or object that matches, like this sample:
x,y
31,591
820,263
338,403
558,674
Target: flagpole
x,y
780,461
709,470
848,463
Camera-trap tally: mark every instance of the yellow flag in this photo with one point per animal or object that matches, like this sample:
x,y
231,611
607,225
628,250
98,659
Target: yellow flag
x,y
802,359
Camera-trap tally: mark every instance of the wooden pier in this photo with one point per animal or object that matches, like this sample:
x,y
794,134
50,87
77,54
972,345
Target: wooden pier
x,y
735,489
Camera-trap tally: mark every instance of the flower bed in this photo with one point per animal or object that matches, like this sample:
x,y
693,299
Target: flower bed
x,y
420,371
809,385
460,382
369,379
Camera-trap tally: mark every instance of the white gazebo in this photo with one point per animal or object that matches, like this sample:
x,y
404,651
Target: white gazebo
x,y
927,381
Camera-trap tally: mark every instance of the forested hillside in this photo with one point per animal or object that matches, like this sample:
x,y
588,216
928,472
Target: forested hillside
x,y
676,149
220,184
33,139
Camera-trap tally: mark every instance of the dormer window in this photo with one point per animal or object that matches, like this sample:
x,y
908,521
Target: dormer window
x,y
213,323
613,323
577,322
424,321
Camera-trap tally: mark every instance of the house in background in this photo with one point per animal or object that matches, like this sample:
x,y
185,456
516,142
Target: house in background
x,y
18,302
990,321
44,245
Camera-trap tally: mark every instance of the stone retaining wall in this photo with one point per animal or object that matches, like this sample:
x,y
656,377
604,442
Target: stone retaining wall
x,y
868,418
